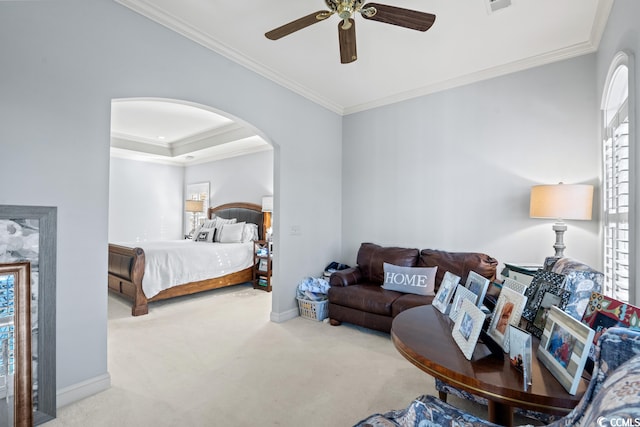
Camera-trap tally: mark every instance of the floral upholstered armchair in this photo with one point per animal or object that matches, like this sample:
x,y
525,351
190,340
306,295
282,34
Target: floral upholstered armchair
x,y
612,398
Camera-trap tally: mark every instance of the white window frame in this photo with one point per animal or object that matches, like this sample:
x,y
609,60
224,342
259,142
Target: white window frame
x,y
613,106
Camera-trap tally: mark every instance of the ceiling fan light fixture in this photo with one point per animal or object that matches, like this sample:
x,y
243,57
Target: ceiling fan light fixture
x,y
369,11
345,9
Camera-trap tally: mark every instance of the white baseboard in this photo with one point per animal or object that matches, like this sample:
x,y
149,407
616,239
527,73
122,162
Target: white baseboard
x,y
284,316
81,390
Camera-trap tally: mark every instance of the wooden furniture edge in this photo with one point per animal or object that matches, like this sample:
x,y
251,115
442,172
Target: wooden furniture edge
x,y
127,280
236,278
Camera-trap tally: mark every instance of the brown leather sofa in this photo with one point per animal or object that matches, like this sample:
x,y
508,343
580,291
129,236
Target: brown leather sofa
x,y
356,295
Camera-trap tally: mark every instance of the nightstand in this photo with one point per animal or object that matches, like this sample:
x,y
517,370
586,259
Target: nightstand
x,y
262,265
522,273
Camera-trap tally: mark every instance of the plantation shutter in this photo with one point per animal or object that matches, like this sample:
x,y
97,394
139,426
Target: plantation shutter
x,y
616,204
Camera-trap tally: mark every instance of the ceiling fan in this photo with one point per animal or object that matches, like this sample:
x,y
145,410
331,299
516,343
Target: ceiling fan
x,y
345,9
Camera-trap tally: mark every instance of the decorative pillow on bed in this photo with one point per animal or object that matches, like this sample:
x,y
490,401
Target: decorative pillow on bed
x,y
250,232
206,225
231,233
219,222
410,280
206,235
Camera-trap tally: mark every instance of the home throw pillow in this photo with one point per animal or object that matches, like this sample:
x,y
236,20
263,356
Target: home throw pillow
x,y
410,280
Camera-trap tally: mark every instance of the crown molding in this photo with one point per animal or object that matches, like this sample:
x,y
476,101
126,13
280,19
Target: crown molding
x,y
126,154
477,76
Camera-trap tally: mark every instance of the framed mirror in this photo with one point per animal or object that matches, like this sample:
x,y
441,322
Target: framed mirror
x,y
28,233
16,407
198,191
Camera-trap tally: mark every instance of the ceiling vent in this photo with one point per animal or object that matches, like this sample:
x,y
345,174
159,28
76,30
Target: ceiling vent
x,y
493,5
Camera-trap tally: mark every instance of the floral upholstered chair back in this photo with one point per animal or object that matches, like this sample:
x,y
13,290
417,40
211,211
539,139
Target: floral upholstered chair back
x,y
581,281
613,395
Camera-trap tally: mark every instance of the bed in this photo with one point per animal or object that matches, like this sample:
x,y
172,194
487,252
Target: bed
x,y
127,262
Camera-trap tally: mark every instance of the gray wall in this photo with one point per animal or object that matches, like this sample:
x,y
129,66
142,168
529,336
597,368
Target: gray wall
x,y
623,34
62,62
453,170
237,179
145,201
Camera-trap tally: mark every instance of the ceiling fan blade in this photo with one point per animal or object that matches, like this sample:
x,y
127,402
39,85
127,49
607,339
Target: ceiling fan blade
x,y
406,18
298,24
347,39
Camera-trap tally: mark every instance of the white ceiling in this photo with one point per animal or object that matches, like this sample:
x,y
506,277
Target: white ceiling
x,y
467,43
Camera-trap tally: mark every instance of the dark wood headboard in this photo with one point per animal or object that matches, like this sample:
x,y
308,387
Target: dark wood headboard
x,y
247,212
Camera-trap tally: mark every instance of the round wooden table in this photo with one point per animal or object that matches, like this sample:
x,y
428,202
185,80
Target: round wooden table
x,y
423,336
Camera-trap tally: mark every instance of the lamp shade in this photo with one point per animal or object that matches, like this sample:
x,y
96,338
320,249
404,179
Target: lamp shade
x,y
194,205
561,201
267,204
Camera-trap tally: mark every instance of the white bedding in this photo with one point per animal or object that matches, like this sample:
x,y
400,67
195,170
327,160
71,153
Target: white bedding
x,y
175,262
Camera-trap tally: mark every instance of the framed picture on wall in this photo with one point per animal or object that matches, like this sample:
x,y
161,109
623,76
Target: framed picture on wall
x,y
28,233
15,342
196,191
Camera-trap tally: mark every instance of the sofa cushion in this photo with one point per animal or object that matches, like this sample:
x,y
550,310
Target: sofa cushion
x,y
458,263
410,280
365,297
371,258
407,301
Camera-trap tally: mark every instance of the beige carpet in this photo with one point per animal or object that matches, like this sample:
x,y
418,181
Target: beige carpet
x,y
216,360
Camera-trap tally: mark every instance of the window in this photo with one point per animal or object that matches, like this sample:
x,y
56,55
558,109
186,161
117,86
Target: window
x,y
616,189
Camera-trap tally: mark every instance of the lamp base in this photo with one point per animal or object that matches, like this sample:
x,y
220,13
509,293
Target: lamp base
x,y
559,227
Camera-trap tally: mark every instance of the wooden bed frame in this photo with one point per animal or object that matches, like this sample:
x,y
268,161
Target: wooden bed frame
x,y
126,265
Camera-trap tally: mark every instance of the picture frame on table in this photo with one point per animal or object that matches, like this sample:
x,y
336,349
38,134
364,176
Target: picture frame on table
x,y
445,292
564,348
546,290
462,294
467,327
507,312
604,312
520,353
262,265
478,285
515,285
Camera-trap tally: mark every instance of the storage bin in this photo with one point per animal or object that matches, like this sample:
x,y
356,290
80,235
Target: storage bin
x,y
314,310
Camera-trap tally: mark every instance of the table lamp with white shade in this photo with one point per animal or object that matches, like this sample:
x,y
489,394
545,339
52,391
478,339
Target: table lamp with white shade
x,y
561,201
195,207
